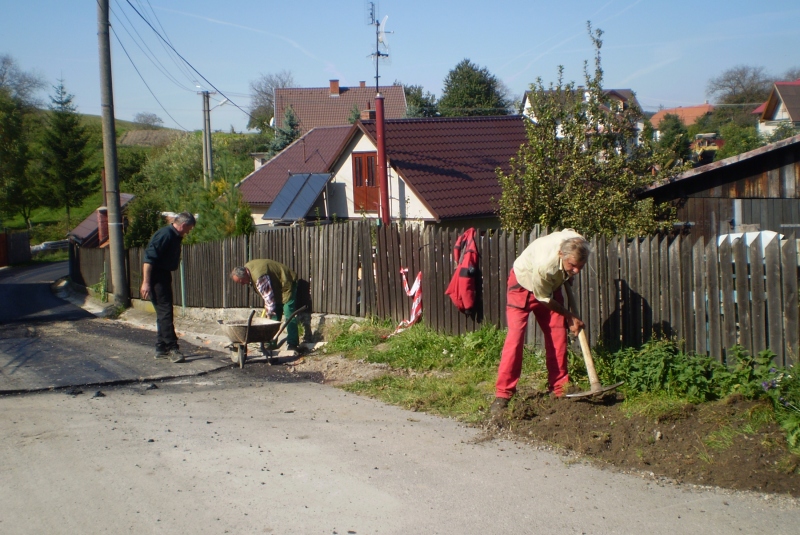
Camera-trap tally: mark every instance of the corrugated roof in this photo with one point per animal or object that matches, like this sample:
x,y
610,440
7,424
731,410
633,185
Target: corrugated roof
x,y
312,153
450,162
315,107
688,115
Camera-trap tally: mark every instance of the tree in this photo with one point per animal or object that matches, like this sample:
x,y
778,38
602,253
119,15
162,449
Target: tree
x,y
18,192
21,85
742,84
782,131
738,139
287,133
65,158
419,103
471,90
355,114
148,121
262,108
674,138
791,75
581,168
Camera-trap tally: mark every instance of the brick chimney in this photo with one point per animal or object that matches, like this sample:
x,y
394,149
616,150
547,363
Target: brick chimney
x,y
102,225
334,88
362,84
367,114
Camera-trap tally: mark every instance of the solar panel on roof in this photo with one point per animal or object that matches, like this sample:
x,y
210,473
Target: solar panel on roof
x,y
297,196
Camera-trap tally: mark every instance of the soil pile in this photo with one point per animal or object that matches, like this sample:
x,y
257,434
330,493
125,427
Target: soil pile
x,y
723,444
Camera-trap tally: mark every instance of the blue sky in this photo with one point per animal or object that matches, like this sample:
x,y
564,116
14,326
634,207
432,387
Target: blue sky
x,y
665,51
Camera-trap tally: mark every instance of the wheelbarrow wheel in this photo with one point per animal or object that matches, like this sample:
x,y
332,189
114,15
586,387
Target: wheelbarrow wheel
x,y
242,355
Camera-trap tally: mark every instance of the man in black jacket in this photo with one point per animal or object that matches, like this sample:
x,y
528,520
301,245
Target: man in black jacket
x,y
161,258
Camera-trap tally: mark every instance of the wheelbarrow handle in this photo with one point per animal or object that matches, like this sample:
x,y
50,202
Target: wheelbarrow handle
x,y
290,318
247,331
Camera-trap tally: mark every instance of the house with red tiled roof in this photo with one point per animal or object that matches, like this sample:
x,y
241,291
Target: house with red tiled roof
x,y
334,105
313,152
688,115
440,170
782,107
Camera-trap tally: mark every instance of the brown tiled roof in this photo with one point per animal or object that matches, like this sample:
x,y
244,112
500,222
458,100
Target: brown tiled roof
x,y
312,153
789,94
688,115
314,106
450,163
86,231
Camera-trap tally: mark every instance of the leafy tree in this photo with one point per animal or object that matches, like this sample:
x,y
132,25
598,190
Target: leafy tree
x,y
144,216
244,221
65,155
471,90
130,161
262,108
674,138
18,192
148,121
738,139
420,103
21,85
580,167
782,131
287,133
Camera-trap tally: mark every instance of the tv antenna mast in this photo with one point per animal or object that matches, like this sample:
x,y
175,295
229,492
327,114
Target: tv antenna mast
x,y
381,40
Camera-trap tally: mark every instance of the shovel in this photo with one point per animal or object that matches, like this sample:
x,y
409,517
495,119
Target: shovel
x,y
594,381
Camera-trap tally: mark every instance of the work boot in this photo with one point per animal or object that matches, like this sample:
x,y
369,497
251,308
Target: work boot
x,y
176,357
498,407
161,354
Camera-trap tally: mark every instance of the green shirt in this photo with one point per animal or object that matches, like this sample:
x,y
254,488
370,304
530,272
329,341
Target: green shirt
x,y
281,278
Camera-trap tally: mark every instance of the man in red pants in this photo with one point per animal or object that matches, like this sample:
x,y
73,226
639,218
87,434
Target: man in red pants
x,y
534,285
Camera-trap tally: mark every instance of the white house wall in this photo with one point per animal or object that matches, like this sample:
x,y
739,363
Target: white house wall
x,y
403,203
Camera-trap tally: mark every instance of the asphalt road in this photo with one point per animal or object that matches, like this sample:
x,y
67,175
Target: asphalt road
x,y
47,342
269,450
26,295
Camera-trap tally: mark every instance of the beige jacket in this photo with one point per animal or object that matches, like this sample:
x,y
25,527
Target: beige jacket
x,y
539,268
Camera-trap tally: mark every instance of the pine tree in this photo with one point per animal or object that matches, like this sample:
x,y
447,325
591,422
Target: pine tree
x,y
286,134
470,90
65,157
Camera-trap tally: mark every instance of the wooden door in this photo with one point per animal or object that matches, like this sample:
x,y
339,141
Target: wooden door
x,y
366,197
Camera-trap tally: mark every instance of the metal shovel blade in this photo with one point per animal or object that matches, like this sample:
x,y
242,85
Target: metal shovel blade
x,y
597,392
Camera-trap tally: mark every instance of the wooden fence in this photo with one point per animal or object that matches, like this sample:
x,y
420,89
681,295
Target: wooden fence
x,y
709,296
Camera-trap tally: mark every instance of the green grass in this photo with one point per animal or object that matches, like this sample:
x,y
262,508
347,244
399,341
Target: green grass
x,y
454,376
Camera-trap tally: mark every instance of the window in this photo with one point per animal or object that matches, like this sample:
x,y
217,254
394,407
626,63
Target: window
x,y
366,195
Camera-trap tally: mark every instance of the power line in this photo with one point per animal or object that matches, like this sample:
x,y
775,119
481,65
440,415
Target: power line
x,y
148,53
187,62
181,67
144,82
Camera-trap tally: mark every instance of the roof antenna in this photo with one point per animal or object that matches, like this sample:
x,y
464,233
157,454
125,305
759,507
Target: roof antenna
x,y
381,40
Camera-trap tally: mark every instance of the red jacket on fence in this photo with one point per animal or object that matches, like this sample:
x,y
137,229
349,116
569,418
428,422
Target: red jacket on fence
x,y
463,287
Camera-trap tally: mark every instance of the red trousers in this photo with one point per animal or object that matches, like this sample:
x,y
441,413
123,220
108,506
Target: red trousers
x,y
519,304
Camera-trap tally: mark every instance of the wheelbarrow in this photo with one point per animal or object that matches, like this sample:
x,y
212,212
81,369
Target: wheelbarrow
x,y
259,330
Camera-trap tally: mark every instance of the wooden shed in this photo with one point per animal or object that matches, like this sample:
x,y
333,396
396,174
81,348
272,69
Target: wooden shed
x,y
756,190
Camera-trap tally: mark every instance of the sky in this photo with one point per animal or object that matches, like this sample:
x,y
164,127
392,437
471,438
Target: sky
x,y
666,52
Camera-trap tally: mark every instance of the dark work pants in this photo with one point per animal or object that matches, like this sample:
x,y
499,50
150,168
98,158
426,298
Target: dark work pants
x,y
161,297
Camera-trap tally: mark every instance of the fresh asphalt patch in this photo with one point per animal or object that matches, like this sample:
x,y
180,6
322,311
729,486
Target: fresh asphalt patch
x,y
50,355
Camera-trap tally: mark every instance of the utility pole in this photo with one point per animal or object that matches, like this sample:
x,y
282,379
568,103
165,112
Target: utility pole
x,y
119,278
208,165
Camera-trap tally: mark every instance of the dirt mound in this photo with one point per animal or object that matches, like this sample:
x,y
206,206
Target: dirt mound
x,y
730,444
715,444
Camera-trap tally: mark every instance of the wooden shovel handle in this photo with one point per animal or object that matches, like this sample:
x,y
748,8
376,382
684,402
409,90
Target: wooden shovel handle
x,y
594,381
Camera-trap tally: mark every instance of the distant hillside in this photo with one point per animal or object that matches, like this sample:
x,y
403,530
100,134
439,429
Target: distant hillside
x,y
148,138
